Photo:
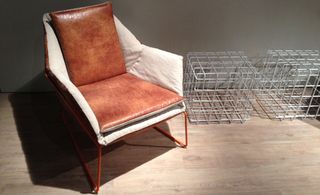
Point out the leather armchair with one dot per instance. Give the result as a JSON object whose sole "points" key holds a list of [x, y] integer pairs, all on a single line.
{"points": [[107, 80]]}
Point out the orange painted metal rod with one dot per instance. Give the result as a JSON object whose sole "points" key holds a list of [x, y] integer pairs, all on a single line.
{"points": [[165, 133], [95, 186], [99, 170]]}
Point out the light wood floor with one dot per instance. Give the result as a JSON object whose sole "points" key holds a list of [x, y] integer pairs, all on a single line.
{"points": [[258, 157]]}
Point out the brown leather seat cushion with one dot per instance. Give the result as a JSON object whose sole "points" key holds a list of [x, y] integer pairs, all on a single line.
{"points": [[89, 42], [125, 97]]}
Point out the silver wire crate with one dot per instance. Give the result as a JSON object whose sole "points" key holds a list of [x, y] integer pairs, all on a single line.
{"points": [[217, 87], [289, 84]]}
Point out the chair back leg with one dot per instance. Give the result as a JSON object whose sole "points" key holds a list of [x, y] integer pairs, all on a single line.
{"points": [[168, 135], [95, 185]]}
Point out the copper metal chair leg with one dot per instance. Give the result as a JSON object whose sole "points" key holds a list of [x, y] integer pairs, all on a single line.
{"points": [[165, 133], [95, 186], [98, 170]]}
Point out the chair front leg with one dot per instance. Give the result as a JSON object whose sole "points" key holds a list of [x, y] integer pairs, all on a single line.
{"points": [[165, 133], [95, 186], [96, 190]]}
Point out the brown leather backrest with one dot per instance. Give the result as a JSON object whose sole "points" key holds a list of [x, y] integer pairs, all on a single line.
{"points": [[89, 43]]}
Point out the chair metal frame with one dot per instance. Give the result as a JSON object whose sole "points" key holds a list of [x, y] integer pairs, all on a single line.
{"points": [[95, 185]]}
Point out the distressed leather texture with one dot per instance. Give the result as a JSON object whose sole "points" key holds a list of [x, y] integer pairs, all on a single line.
{"points": [[125, 97], [90, 43]]}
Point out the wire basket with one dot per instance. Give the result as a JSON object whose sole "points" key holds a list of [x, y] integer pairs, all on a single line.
{"points": [[289, 84], [217, 87]]}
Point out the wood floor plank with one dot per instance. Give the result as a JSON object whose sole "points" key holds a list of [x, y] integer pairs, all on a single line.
{"points": [[259, 157]]}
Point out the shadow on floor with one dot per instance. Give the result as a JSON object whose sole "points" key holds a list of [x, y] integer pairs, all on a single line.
{"points": [[49, 154]]}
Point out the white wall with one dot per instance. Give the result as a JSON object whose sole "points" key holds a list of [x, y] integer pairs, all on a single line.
{"points": [[175, 25]]}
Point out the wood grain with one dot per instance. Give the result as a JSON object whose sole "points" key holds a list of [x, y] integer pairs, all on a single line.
{"points": [[258, 157]]}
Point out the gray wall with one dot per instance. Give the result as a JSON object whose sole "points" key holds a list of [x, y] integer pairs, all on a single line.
{"points": [[175, 25], [21, 43]]}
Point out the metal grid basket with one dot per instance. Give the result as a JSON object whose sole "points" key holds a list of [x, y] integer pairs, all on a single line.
{"points": [[289, 84], [217, 87]]}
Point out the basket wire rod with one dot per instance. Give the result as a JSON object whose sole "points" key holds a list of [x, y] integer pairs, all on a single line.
{"points": [[215, 79], [189, 86], [262, 105], [303, 92], [203, 96], [223, 108], [190, 67], [224, 67], [292, 92], [237, 110], [215, 87], [285, 106], [262, 85], [316, 82], [255, 83], [235, 104], [245, 105], [271, 107], [212, 106], [213, 67], [194, 73], [252, 82], [277, 93], [211, 64], [282, 85], [190, 110], [274, 72], [309, 99], [206, 105], [200, 65], [298, 71], [202, 106], [280, 107], [253, 77], [317, 112], [237, 66], [194, 111], [301, 66], [202, 92]]}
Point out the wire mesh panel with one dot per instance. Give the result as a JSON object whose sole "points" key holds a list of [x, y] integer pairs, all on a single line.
{"points": [[217, 87], [289, 84]]}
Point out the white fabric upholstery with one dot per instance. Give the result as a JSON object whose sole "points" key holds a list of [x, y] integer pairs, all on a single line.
{"points": [[119, 126], [130, 45], [139, 60], [160, 67], [114, 135], [58, 68], [151, 64]]}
